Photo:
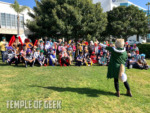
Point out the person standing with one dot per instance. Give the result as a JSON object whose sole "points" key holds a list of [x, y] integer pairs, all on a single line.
{"points": [[3, 44], [117, 64]]}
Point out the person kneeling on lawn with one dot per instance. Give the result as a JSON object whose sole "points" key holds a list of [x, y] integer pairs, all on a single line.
{"points": [[29, 59]]}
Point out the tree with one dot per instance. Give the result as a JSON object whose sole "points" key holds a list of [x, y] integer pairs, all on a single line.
{"points": [[148, 4], [124, 22], [68, 18], [18, 9]]}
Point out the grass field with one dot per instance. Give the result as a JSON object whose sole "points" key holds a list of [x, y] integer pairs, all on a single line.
{"points": [[81, 89]]}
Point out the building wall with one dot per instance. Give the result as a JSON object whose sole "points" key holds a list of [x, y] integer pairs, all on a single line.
{"points": [[105, 3], [10, 16]]}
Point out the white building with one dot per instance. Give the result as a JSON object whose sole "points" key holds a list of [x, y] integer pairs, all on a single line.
{"points": [[8, 21], [108, 5]]}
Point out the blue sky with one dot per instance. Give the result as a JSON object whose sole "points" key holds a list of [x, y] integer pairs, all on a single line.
{"points": [[31, 3]]}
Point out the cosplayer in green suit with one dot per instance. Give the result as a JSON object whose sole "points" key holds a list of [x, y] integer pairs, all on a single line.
{"points": [[118, 58]]}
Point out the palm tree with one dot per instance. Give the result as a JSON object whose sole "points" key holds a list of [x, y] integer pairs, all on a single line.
{"points": [[18, 9], [148, 4]]}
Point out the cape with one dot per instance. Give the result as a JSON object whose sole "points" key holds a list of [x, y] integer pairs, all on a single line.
{"points": [[118, 57]]}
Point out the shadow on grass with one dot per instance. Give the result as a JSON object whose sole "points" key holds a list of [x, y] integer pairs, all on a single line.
{"points": [[4, 64], [13, 65], [88, 91]]}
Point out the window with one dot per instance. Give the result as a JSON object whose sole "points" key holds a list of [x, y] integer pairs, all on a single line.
{"points": [[3, 19], [21, 21], [13, 20], [8, 20]]}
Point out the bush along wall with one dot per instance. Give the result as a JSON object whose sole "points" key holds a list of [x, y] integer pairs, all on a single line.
{"points": [[144, 48]]}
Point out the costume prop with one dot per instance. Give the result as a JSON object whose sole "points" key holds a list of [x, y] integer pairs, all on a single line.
{"points": [[12, 40], [36, 43], [29, 45]]}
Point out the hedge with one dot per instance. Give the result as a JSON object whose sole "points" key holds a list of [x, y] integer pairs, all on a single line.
{"points": [[144, 48]]}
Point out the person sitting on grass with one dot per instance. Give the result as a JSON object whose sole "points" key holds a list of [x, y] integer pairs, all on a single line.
{"points": [[133, 53], [88, 61], [23, 54], [135, 47], [93, 58], [128, 48], [70, 54], [29, 59], [137, 56], [79, 60], [65, 61], [143, 62], [53, 59], [41, 58], [41, 45], [11, 56], [102, 59], [86, 53], [36, 55], [47, 46], [49, 51], [133, 63]]}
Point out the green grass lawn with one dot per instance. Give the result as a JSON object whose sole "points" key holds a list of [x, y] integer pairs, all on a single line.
{"points": [[81, 89]]}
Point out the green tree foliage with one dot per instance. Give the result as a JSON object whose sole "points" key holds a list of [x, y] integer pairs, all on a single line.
{"points": [[127, 21], [67, 18]]}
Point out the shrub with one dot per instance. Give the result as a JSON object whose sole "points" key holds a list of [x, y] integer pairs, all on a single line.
{"points": [[144, 48]]}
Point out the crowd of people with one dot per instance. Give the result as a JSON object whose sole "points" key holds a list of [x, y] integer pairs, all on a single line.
{"points": [[52, 53]]}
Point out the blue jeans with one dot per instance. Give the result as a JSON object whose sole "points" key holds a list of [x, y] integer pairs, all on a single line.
{"points": [[3, 58]]}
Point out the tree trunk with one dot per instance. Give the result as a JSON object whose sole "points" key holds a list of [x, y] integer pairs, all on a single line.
{"points": [[125, 38], [18, 24], [137, 37]]}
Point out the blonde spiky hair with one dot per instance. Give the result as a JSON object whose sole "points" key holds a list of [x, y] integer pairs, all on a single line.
{"points": [[119, 43]]}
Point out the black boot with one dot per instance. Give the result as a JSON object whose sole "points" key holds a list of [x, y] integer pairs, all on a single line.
{"points": [[118, 94], [129, 93]]}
